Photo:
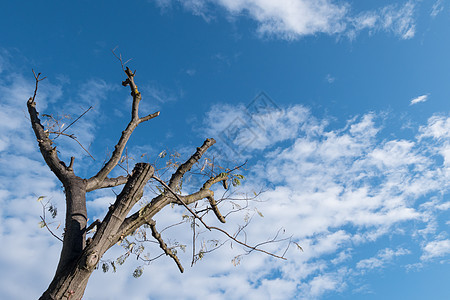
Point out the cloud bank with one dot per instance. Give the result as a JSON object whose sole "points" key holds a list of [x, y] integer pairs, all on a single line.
{"points": [[336, 190], [291, 20], [344, 188]]}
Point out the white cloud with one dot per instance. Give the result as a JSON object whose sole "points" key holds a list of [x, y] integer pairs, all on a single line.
{"points": [[437, 8], [438, 127], [323, 283], [419, 99], [383, 257], [329, 78], [435, 249], [258, 126], [391, 18], [333, 189], [325, 180], [161, 94], [26, 244], [291, 20], [399, 20]]}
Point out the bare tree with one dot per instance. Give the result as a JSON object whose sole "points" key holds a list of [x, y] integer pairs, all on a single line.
{"points": [[81, 255]]}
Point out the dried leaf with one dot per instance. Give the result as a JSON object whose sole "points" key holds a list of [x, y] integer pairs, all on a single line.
{"points": [[53, 211], [236, 260], [259, 213], [298, 246], [121, 259], [138, 272], [105, 267]]}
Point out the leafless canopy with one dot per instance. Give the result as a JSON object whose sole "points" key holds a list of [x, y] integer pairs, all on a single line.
{"points": [[81, 255]]}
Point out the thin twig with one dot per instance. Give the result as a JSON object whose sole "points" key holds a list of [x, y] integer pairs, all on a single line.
{"points": [[244, 244], [193, 242], [74, 138], [181, 201], [49, 230], [44, 206], [163, 245], [212, 227], [119, 57], [90, 107], [36, 77]]}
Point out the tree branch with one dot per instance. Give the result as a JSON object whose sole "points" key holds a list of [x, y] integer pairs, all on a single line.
{"points": [[110, 182], [149, 117], [96, 180], [205, 192], [95, 223], [49, 230], [72, 137], [253, 248], [163, 245], [143, 216], [182, 169], [45, 144], [130, 195]]}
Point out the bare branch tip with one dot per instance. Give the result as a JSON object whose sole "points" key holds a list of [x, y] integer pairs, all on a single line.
{"points": [[70, 167]]}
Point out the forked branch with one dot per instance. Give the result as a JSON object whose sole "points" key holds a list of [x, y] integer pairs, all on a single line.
{"points": [[95, 182], [141, 217], [253, 248], [45, 144], [130, 195], [182, 169], [163, 245]]}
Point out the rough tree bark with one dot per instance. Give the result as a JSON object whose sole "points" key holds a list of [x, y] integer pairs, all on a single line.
{"points": [[80, 257]]}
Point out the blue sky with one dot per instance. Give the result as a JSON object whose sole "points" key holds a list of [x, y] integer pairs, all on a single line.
{"points": [[353, 151]]}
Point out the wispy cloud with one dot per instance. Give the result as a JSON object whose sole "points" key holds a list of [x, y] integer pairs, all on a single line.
{"points": [[191, 72], [329, 78], [27, 178], [334, 189], [162, 94], [437, 8], [294, 19], [291, 19], [435, 249], [3, 60], [332, 179], [396, 19], [419, 99], [383, 257]]}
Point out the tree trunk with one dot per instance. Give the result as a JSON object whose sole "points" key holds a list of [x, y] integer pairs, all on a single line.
{"points": [[79, 260], [66, 277], [71, 281]]}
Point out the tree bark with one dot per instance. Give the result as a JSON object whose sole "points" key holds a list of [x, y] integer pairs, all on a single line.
{"points": [[79, 260], [74, 240]]}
